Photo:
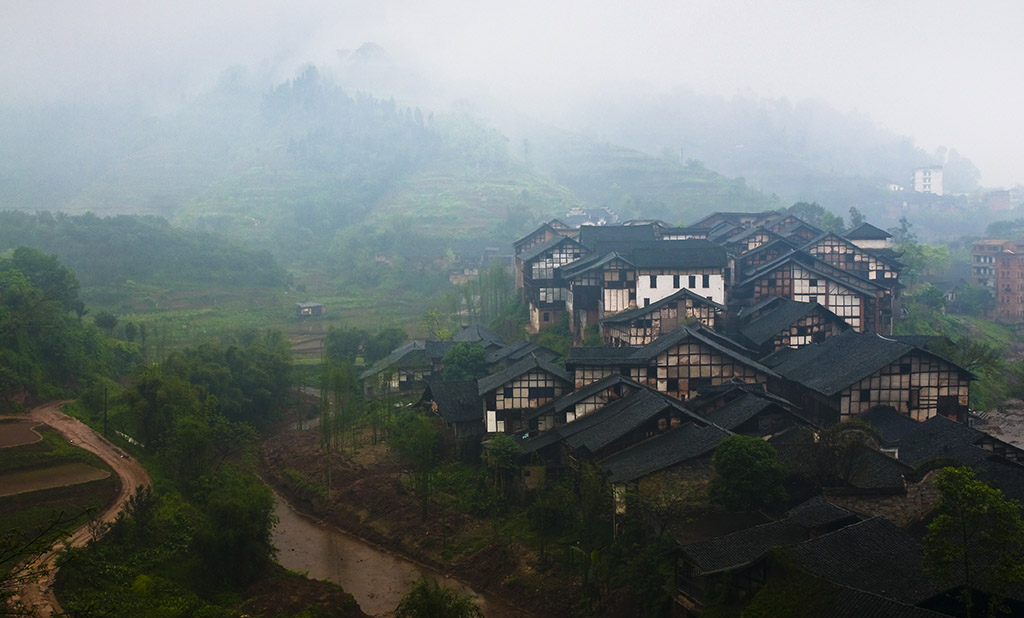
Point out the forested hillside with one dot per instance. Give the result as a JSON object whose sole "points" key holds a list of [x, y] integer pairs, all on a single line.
{"points": [[296, 162]]}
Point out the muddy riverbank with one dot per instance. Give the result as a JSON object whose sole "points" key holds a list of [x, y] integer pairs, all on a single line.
{"points": [[378, 579]]}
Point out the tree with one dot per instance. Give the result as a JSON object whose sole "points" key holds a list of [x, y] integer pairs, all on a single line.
{"points": [[856, 217], [344, 344], [418, 443], [501, 451], [818, 216], [748, 474], [380, 345], [105, 320], [428, 599], [464, 361], [667, 501], [834, 456], [977, 535]]}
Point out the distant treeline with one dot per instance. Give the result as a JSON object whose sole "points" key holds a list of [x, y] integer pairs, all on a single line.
{"points": [[112, 250]]}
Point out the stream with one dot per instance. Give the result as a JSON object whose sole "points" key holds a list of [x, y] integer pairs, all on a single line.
{"points": [[378, 580]]}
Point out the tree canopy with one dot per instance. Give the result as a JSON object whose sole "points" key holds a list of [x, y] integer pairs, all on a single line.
{"points": [[748, 474]]}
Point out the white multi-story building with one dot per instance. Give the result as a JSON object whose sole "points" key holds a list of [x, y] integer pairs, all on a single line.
{"points": [[928, 180]]}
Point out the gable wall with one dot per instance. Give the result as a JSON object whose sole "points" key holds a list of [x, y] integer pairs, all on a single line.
{"points": [[846, 255], [913, 385], [681, 369], [812, 328], [664, 284], [644, 330]]}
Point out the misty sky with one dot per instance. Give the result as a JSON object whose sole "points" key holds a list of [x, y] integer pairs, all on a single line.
{"points": [[943, 72]]}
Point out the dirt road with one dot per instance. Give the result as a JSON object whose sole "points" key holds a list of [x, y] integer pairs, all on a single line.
{"points": [[37, 595]]}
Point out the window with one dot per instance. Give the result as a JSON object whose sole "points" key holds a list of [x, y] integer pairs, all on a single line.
{"points": [[672, 384], [904, 368], [675, 281], [542, 392], [652, 372], [622, 275], [507, 392], [546, 317], [812, 282], [693, 281], [865, 394], [654, 282], [647, 301], [707, 281]]}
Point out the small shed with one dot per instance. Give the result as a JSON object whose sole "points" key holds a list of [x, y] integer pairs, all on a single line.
{"points": [[309, 310]]}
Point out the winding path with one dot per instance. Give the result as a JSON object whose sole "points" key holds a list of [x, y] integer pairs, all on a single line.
{"points": [[37, 595]]}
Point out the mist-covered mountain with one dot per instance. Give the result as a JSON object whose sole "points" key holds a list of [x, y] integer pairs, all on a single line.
{"points": [[307, 157]]}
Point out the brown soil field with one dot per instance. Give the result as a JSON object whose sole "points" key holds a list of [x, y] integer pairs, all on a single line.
{"points": [[16, 433], [47, 478]]}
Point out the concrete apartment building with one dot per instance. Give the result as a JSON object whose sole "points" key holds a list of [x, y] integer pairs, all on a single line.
{"points": [[998, 265]]}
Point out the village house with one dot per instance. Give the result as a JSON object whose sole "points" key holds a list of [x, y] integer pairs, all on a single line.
{"points": [[865, 305], [637, 416], [542, 288], [866, 263], [511, 392], [405, 369], [847, 375], [639, 326], [747, 409], [310, 310], [777, 323], [641, 274], [458, 404], [867, 236], [678, 364]]}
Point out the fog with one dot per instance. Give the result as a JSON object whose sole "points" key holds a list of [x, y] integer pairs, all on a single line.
{"points": [[943, 73]]}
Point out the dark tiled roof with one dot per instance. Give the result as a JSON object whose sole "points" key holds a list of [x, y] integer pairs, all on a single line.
{"points": [[745, 312], [817, 512], [876, 470], [493, 381], [663, 451], [537, 250], [866, 231], [891, 425], [552, 226], [413, 354], [739, 549], [632, 314], [456, 401], [586, 264], [626, 356], [850, 603], [602, 427], [940, 438], [679, 254], [836, 363], [780, 317], [875, 556], [889, 255], [591, 235], [571, 399], [476, 332], [715, 341], [602, 355], [739, 411], [519, 350]]}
